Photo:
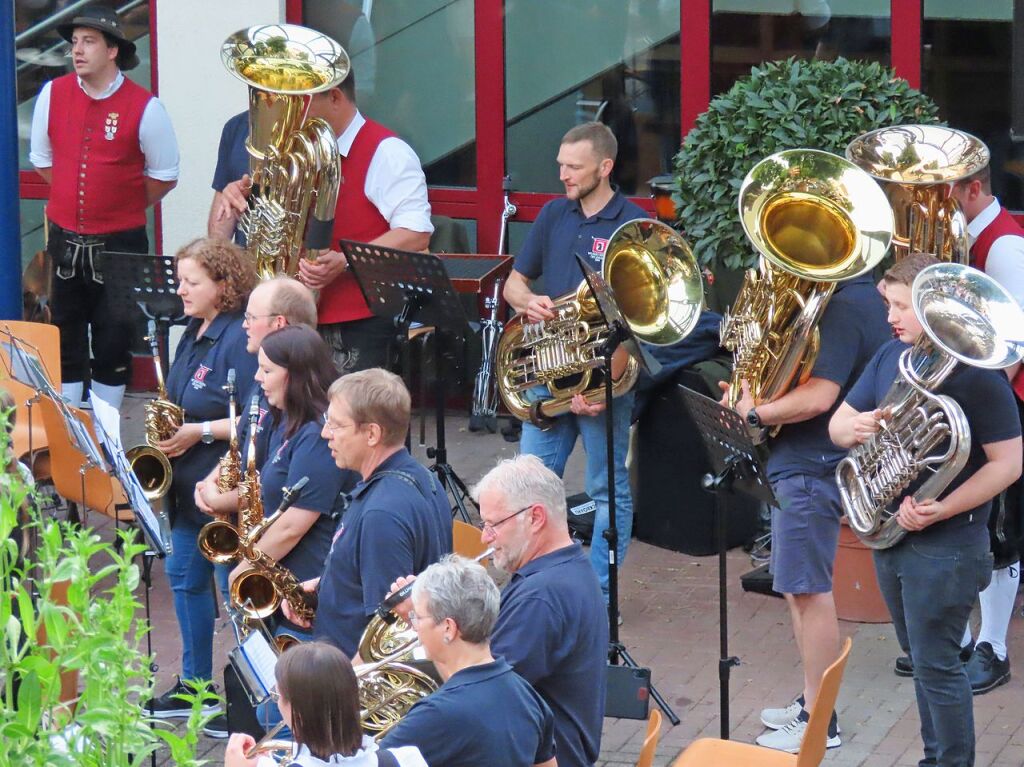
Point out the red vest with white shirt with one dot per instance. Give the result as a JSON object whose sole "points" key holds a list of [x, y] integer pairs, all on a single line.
{"points": [[356, 218], [1003, 224], [98, 185]]}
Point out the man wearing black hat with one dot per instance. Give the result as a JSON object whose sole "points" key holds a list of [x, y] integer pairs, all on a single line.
{"points": [[107, 148]]}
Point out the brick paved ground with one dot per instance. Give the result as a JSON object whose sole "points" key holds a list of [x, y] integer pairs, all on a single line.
{"points": [[670, 609]]}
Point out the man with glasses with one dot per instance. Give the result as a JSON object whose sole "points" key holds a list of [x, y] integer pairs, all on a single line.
{"points": [[552, 626], [398, 519]]}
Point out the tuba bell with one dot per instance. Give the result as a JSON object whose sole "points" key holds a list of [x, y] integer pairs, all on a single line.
{"points": [[659, 291], [967, 317], [917, 166], [816, 219], [294, 162]]}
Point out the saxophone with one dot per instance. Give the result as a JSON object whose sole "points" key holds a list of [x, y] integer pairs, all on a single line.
{"points": [[219, 540], [967, 317], [163, 417], [230, 466]]}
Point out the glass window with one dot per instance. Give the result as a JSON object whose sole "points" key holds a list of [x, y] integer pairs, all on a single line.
{"points": [[745, 33], [966, 63], [414, 67], [43, 55], [568, 62]]}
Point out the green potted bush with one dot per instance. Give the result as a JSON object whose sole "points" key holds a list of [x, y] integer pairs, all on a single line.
{"points": [[780, 105], [86, 620]]}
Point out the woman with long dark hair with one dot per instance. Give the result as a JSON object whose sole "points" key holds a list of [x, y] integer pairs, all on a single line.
{"points": [[318, 695]]}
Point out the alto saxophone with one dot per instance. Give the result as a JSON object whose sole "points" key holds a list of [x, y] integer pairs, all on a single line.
{"points": [[163, 417], [230, 467]]}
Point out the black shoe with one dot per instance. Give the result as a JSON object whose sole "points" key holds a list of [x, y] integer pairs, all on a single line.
{"points": [[170, 706], [217, 727], [985, 670], [904, 666], [966, 652]]}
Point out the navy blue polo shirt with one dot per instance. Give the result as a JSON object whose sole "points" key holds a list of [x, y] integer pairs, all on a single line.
{"points": [[232, 157], [264, 425], [517, 724], [988, 402], [553, 629], [561, 232], [306, 454], [398, 522], [852, 328], [196, 381]]}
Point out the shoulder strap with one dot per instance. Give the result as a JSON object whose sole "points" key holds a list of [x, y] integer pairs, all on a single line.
{"points": [[386, 758], [407, 477]]}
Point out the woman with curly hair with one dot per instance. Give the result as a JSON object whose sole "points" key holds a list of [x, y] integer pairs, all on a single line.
{"points": [[214, 281]]}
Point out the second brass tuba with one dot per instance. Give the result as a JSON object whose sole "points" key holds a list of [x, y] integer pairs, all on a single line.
{"points": [[816, 219], [659, 291], [294, 162], [967, 317], [916, 166]]}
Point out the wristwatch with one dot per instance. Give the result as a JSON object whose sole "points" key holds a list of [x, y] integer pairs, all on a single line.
{"points": [[208, 433], [753, 419]]}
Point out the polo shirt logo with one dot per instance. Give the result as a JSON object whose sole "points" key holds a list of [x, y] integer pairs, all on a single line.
{"points": [[599, 247], [280, 451], [259, 421], [199, 377]]}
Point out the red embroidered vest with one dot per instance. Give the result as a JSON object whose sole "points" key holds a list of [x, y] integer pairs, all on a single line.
{"points": [[1003, 224], [98, 185], [356, 218]]}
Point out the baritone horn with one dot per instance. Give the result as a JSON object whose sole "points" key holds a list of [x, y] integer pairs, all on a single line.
{"points": [[294, 163], [816, 220], [658, 289], [917, 166]]}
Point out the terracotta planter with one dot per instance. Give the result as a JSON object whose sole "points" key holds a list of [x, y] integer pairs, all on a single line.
{"points": [[854, 583]]}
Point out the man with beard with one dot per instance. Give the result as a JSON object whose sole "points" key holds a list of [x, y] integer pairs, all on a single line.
{"points": [[580, 224]]}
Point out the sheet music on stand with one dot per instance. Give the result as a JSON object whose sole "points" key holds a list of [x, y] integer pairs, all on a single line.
{"points": [[155, 525], [255, 658]]}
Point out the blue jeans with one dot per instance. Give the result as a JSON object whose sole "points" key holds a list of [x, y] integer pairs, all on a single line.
{"points": [[190, 573], [554, 447], [930, 591]]}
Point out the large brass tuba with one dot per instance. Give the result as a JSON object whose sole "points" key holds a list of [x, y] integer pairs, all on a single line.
{"points": [[163, 417], [967, 317], [659, 291], [816, 219], [294, 162], [917, 166]]}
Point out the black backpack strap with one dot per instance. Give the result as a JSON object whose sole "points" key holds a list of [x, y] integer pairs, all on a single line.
{"points": [[386, 759]]}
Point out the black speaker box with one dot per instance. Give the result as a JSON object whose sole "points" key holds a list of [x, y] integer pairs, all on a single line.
{"points": [[673, 511]]}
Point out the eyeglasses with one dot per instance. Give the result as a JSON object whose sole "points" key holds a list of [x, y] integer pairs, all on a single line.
{"points": [[332, 426], [250, 317], [414, 619], [491, 528], [275, 696]]}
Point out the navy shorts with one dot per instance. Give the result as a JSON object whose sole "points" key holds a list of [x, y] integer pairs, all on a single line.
{"points": [[805, 533]]}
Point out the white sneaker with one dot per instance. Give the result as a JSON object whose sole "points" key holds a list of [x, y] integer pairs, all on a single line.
{"points": [[790, 737], [777, 718]]}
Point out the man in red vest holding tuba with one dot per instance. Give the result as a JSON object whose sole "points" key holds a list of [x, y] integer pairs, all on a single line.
{"points": [[107, 148], [382, 200]]}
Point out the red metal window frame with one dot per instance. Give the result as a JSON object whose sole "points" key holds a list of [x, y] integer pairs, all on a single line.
{"points": [[483, 203]]}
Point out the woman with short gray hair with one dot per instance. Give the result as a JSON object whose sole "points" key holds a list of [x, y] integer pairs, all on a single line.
{"points": [[484, 713]]}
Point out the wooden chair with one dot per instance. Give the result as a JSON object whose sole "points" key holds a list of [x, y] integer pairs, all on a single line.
{"points": [[729, 753], [650, 740], [466, 540], [46, 339]]}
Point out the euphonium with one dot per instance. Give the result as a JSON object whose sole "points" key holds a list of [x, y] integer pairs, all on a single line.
{"points": [[816, 219], [917, 166], [219, 540], [163, 417], [295, 165], [229, 472], [966, 317], [658, 289]]}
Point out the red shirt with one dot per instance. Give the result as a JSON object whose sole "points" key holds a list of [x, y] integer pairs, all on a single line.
{"points": [[98, 183], [356, 218]]}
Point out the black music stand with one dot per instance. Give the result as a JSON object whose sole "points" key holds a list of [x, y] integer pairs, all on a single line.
{"points": [[408, 287], [146, 284], [619, 334], [736, 469]]}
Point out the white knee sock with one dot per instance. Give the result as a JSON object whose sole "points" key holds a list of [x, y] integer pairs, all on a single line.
{"points": [[72, 392], [997, 607], [966, 641], [112, 395]]}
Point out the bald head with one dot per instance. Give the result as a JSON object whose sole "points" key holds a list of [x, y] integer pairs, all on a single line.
{"points": [[275, 303]]}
